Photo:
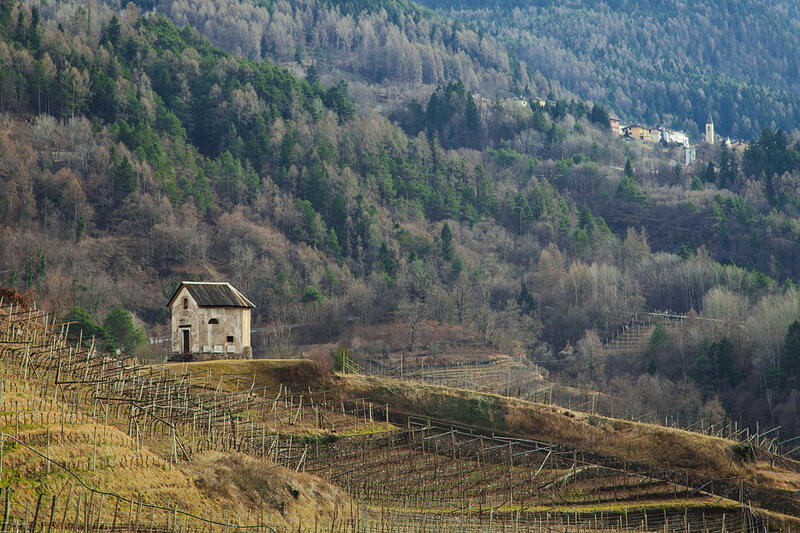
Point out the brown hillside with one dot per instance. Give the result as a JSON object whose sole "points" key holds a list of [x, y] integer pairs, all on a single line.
{"points": [[227, 487], [66, 446], [436, 343], [657, 448]]}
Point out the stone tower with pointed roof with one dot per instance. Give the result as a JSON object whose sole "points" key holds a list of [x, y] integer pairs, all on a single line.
{"points": [[709, 138]]}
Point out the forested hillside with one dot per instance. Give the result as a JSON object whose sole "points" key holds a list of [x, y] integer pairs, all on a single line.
{"points": [[398, 46], [134, 154], [659, 62]]}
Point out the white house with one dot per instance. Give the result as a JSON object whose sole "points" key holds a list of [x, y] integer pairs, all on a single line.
{"points": [[674, 137]]}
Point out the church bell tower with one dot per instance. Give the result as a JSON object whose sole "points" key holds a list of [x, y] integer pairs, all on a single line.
{"points": [[709, 129]]}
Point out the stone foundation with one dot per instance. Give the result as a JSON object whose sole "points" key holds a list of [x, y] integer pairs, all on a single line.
{"points": [[247, 353]]}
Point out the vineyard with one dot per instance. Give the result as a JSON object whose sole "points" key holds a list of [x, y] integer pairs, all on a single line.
{"points": [[632, 338], [92, 442], [499, 375], [450, 473]]}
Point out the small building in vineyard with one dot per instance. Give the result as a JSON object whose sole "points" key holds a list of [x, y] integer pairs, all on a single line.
{"points": [[210, 320]]}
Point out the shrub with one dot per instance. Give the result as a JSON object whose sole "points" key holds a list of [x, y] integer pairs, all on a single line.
{"points": [[122, 332], [85, 326], [311, 295], [340, 356]]}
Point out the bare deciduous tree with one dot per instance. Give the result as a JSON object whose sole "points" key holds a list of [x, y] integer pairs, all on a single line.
{"points": [[278, 341], [417, 282]]}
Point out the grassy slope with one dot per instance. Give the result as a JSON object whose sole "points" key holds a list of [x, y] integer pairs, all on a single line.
{"points": [[268, 377], [664, 448], [255, 373], [668, 448], [228, 487]]}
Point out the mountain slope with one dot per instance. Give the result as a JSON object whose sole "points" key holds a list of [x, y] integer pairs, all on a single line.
{"points": [[135, 154], [658, 62], [398, 46]]}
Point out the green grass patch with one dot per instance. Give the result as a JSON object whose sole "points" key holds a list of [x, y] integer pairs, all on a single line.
{"points": [[611, 507]]}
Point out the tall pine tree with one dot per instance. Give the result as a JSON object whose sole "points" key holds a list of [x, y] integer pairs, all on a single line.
{"points": [[790, 356], [446, 245]]}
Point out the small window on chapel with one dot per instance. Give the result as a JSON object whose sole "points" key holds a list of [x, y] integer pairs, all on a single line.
{"points": [[186, 303], [230, 338], [213, 321]]}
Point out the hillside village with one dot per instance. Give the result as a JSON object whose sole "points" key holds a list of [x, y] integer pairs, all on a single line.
{"points": [[651, 135], [669, 137]]}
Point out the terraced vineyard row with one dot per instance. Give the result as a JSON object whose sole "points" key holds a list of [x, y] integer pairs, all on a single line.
{"points": [[70, 414], [447, 472], [527, 521], [500, 375], [91, 442]]}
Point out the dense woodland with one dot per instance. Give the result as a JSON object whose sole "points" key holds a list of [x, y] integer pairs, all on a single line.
{"points": [[397, 46], [134, 154], [658, 62]]}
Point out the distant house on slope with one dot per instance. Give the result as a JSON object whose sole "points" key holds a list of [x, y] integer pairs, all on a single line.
{"points": [[210, 320], [738, 145], [674, 137], [634, 131], [652, 135], [615, 124], [643, 133]]}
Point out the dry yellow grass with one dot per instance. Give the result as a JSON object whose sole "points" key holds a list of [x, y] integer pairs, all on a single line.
{"points": [[224, 487], [663, 448], [237, 375], [667, 448]]}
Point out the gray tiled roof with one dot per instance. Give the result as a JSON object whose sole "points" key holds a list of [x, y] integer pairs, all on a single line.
{"points": [[213, 294]]}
